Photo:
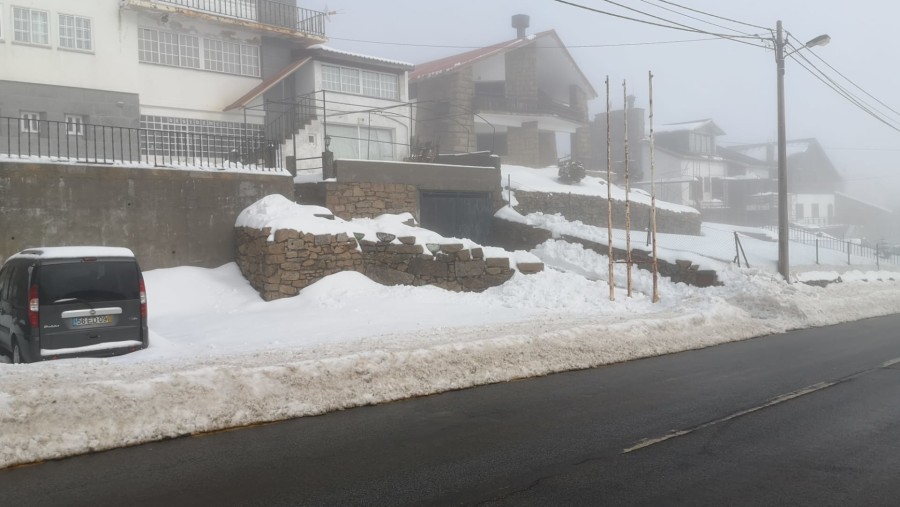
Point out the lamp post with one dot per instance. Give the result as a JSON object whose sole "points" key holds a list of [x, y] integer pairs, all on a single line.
{"points": [[784, 265]]}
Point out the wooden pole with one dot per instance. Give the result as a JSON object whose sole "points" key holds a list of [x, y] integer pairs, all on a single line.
{"points": [[653, 198], [609, 207], [627, 192]]}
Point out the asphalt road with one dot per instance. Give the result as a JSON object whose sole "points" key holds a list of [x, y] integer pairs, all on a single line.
{"points": [[809, 417]]}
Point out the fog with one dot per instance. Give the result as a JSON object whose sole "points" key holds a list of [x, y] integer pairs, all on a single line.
{"points": [[730, 82]]}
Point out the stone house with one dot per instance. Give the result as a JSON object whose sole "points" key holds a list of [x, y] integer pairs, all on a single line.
{"points": [[517, 99]]}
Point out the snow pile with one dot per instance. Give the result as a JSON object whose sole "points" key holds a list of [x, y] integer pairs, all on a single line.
{"points": [[221, 357]]}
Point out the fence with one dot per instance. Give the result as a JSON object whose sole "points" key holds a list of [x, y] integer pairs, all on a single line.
{"points": [[878, 253], [101, 144], [269, 12]]}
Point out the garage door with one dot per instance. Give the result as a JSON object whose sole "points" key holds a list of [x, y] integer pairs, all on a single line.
{"points": [[458, 214]]}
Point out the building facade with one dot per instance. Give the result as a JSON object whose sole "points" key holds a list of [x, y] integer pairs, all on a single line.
{"points": [[518, 99]]}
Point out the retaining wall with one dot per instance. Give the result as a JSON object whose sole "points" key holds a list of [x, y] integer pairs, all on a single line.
{"points": [[294, 260], [167, 217], [592, 210]]}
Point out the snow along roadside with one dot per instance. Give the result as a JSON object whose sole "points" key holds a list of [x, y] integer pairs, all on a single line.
{"points": [[63, 410]]}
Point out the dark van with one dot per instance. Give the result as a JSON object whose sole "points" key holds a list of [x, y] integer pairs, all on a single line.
{"points": [[61, 302]]}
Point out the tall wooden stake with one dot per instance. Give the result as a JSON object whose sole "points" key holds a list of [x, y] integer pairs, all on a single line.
{"points": [[653, 198], [609, 206], [627, 193]]}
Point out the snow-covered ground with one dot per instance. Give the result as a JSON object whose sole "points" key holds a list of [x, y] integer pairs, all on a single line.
{"points": [[221, 357]]}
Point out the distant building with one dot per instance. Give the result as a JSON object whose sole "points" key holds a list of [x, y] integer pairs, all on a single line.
{"points": [[513, 99]]}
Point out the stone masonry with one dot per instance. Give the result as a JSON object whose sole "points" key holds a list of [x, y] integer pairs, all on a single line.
{"points": [[368, 200], [294, 260], [592, 210]]}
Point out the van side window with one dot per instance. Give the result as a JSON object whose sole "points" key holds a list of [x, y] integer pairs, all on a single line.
{"points": [[4, 281], [14, 293]]}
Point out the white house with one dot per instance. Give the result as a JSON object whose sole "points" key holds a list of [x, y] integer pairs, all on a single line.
{"points": [[209, 71]]}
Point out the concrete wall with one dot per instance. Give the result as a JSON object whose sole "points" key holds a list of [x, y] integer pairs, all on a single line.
{"points": [[440, 177], [167, 217]]}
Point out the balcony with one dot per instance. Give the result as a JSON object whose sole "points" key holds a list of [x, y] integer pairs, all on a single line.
{"points": [[544, 105], [273, 16]]}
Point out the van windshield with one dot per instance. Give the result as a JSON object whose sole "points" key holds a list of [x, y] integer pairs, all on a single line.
{"points": [[88, 281]]}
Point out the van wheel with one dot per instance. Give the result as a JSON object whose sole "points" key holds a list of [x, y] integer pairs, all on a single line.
{"points": [[16, 354]]}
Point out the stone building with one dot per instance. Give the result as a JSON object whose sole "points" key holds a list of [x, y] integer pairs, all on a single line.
{"points": [[517, 99]]}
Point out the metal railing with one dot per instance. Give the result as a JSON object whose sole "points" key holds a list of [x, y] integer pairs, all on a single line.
{"points": [[267, 12], [824, 241], [543, 105], [102, 144]]}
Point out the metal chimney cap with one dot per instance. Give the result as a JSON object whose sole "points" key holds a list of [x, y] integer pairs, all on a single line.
{"points": [[520, 22]]}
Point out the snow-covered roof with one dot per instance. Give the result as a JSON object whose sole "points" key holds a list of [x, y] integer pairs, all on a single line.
{"points": [[707, 125], [75, 252], [359, 56]]}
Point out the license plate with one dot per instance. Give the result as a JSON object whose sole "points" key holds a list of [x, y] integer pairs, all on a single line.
{"points": [[92, 321]]}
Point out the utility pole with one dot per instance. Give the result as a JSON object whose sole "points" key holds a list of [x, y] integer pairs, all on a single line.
{"points": [[784, 264]]}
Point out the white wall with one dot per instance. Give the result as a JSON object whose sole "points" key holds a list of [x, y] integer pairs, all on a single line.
{"points": [[807, 201], [113, 63]]}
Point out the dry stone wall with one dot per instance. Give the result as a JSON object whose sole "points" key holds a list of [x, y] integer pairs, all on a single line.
{"points": [[592, 210], [368, 200], [294, 260]]}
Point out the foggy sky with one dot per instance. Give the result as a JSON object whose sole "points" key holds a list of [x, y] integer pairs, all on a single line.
{"points": [[732, 83]]}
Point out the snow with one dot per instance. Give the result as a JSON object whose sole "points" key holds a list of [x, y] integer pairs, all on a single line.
{"points": [[222, 357], [70, 252]]}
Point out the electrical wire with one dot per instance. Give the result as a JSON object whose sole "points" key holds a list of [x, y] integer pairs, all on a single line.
{"points": [[575, 46], [840, 90], [683, 28], [714, 16], [632, 9], [847, 78], [695, 18]]}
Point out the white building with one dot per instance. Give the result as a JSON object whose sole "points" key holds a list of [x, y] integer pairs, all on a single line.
{"points": [[214, 72]]}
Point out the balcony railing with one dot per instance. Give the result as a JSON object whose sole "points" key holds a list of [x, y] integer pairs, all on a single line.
{"points": [[54, 141], [267, 12], [542, 106]]}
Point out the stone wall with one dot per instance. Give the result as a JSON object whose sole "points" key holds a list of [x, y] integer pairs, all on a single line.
{"points": [[294, 260], [592, 210], [368, 200], [517, 236]]}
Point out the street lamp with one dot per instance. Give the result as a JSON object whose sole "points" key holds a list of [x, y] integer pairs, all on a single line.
{"points": [[784, 265]]}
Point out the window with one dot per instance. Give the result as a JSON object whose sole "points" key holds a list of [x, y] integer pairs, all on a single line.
{"points": [[814, 211], [75, 32], [31, 26], [74, 125], [231, 58], [177, 50], [170, 136], [352, 142], [30, 122], [798, 211], [364, 82]]}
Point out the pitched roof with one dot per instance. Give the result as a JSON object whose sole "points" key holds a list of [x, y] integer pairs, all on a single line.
{"points": [[325, 51], [705, 124], [456, 62], [268, 83]]}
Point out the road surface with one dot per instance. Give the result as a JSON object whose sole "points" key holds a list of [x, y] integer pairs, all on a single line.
{"points": [[810, 417]]}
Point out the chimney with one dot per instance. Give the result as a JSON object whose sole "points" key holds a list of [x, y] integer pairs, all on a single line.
{"points": [[630, 104], [520, 23]]}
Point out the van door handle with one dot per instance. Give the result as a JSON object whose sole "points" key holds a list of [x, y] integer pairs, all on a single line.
{"points": [[94, 336]]}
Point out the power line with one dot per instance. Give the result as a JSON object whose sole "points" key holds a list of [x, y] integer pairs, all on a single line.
{"points": [[848, 79], [575, 46], [683, 28], [715, 16], [632, 9], [840, 90], [648, 2]]}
